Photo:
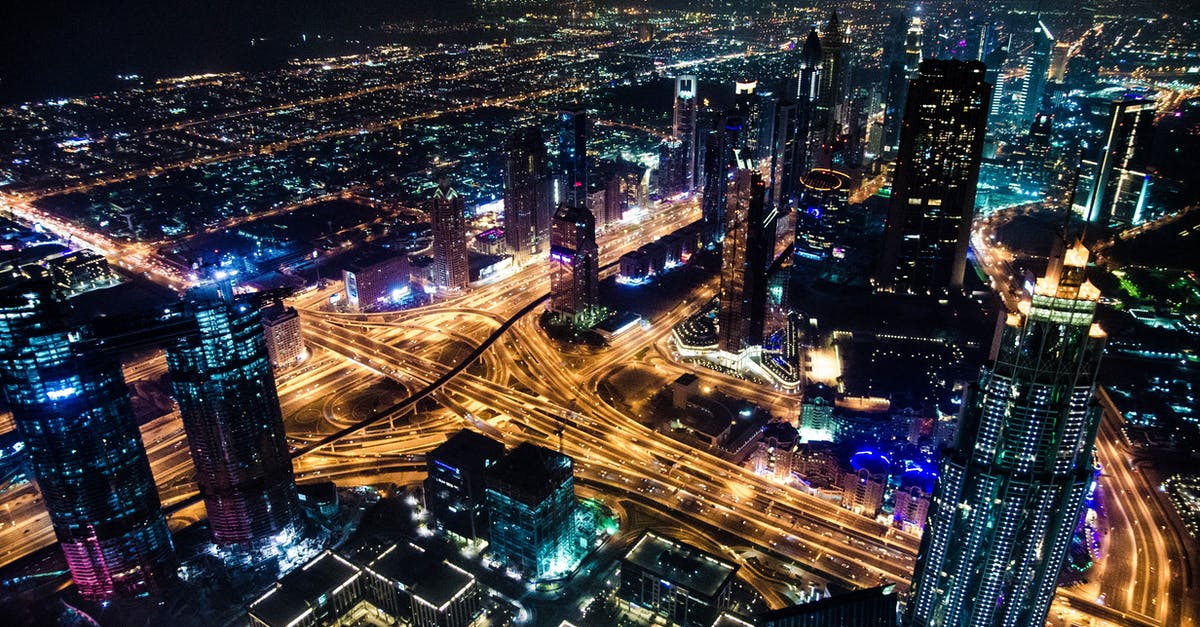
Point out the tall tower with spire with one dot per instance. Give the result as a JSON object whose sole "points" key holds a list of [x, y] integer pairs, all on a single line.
{"points": [[832, 88], [1009, 495]]}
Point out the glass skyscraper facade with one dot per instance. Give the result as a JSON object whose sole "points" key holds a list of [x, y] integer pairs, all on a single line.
{"points": [[226, 394], [531, 512], [744, 258], [937, 169], [1010, 494], [71, 406]]}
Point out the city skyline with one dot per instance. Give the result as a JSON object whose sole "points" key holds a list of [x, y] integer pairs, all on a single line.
{"points": [[590, 315]]}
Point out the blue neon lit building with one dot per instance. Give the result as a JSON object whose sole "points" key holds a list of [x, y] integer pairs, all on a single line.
{"points": [[1009, 496], [226, 393], [71, 406]]}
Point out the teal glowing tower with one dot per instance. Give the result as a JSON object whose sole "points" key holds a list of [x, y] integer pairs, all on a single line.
{"points": [[1009, 495], [222, 380], [71, 407]]}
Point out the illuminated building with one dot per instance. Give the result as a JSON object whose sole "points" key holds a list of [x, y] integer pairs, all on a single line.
{"points": [[724, 142], [527, 192], [900, 72], [743, 298], [807, 90], [674, 582], [831, 92], [1037, 65], [573, 135], [1009, 495], [574, 278], [820, 214], [816, 413], [531, 512], [863, 487], [683, 127], [454, 486], [873, 607], [222, 381], [1116, 184], [376, 277], [406, 583], [71, 406], [321, 592], [448, 217], [285, 342], [937, 169], [911, 508]]}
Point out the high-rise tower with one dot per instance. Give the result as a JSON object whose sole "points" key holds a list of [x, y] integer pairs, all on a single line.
{"points": [[223, 384], [1037, 66], [725, 141], [683, 127], [1010, 493], [575, 276], [827, 118], [527, 192], [900, 73], [743, 299], [448, 216], [937, 168], [1116, 183], [572, 156], [71, 406]]}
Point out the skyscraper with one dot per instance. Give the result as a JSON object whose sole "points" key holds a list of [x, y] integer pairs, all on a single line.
{"points": [[1037, 66], [743, 297], [937, 168], [574, 279], [572, 156], [807, 91], [454, 488], [527, 192], [724, 142], [1009, 495], [1116, 183], [71, 406], [531, 511], [223, 384], [449, 220], [900, 72], [683, 127], [831, 93]]}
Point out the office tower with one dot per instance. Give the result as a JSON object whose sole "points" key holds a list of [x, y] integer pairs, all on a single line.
{"points": [[573, 135], [872, 607], [672, 167], [448, 216], [900, 72], [1037, 65], [724, 143], [1009, 495], [937, 168], [527, 192], [531, 512], [832, 89], [226, 394], [1117, 184], [743, 297], [782, 157], [674, 581], [683, 127], [821, 214], [454, 486], [575, 276], [807, 91], [912, 500], [993, 76], [376, 276], [285, 342], [71, 407], [1029, 157]]}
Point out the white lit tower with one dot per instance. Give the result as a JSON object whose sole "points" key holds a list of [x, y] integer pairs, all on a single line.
{"points": [[1009, 494]]}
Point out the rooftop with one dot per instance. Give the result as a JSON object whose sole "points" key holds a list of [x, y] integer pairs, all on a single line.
{"points": [[467, 449], [299, 591], [681, 564]]}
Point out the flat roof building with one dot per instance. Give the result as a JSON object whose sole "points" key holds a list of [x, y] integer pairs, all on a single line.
{"points": [[454, 486], [873, 607], [675, 581], [314, 594]]}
